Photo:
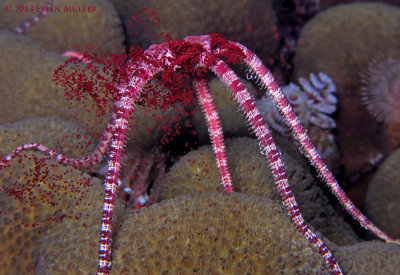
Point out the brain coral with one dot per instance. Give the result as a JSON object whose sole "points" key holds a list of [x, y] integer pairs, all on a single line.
{"points": [[205, 234], [53, 132], [197, 172], [382, 200], [327, 44], [22, 223], [64, 30], [36, 192], [72, 247], [250, 22], [29, 91]]}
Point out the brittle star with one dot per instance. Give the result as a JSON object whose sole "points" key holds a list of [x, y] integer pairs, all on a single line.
{"points": [[194, 56]]}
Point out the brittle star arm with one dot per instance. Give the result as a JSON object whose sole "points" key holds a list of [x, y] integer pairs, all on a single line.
{"points": [[122, 110], [215, 132], [267, 80], [21, 29], [247, 103], [87, 161]]}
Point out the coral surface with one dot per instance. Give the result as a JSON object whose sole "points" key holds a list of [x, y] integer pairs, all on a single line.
{"points": [[250, 22], [205, 234], [72, 247], [372, 257], [29, 91], [69, 28], [382, 200], [196, 172], [324, 4], [37, 192], [53, 132]]}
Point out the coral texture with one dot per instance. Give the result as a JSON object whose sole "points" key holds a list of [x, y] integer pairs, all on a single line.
{"points": [[37, 192], [382, 201], [327, 44], [206, 234], [249, 22], [29, 91], [71, 247], [54, 132], [196, 172], [64, 30], [372, 257]]}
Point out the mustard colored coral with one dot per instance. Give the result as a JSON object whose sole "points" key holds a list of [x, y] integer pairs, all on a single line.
{"points": [[72, 247], [196, 172], [206, 234], [28, 91], [36, 192], [70, 25], [342, 54]]}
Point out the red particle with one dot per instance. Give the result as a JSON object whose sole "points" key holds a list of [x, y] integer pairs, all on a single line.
{"points": [[271, 61]]}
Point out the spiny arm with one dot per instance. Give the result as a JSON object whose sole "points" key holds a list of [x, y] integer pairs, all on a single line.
{"points": [[215, 131], [267, 80], [248, 105]]}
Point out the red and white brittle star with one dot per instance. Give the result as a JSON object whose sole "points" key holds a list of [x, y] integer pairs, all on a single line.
{"points": [[194, 56]]}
